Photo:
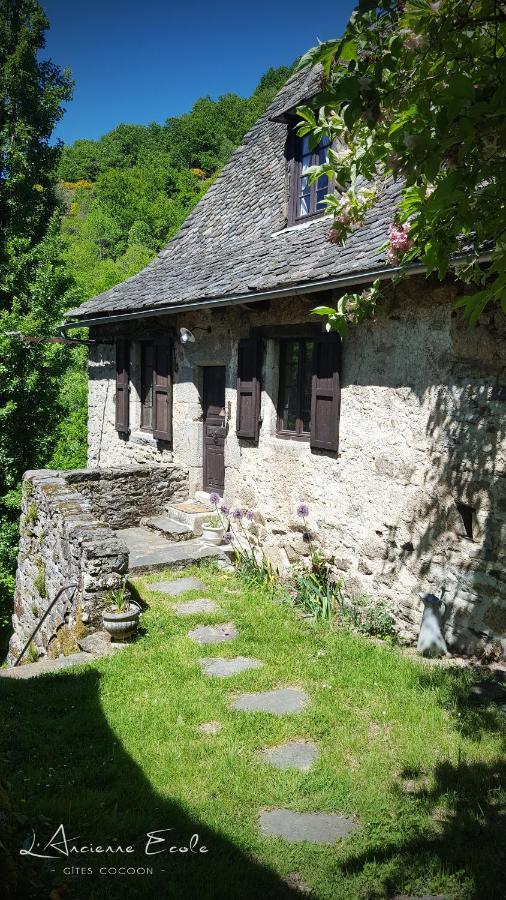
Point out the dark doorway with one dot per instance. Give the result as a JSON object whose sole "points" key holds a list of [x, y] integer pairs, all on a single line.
{"points": [[214, 428]]}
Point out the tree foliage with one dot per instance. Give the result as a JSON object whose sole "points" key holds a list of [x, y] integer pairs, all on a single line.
{"points": [[128, 193], [34, 285], [415, 90]]}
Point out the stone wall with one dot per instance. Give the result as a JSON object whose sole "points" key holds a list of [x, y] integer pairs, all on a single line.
{"points": [[67, 536], [121, 497], [422, 450]]}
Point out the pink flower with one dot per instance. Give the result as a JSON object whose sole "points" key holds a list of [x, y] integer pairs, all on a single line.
{"points": [[400, 242]]}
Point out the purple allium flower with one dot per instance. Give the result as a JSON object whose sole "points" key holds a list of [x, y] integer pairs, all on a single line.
{"points": [[227, 538], [214, 498], [237, 514], [250, 515], [225, 509], [306, 537], [303, 510]]}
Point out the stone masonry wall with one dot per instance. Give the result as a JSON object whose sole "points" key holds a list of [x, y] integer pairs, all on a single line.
{"points": [[121, 497], [67, 535], [422, 450]]}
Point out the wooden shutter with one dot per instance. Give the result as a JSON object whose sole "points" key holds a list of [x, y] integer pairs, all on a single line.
{"points": [[162, 390], [122, 386], [326, 393], [249, 388]]}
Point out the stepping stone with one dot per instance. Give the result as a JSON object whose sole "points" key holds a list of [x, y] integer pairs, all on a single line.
{"points": [[292, 755], [210, 728], [214, 634], [278, 702], [191, 607], [179, 586], [216, 665], [314, 828]]}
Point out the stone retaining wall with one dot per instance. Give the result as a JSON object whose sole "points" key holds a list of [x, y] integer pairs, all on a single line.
{"points": [[121, 497], [67, 536]]}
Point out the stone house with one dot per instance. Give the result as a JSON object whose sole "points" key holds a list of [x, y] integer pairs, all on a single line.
{"points": [[209, 364]]}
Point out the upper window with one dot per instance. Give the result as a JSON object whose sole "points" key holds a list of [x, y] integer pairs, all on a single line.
{"points": [[147, 366], [295, 375], [307, 200]]}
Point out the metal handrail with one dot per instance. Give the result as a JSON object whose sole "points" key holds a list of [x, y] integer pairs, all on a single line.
{"points": [[65, 587]]}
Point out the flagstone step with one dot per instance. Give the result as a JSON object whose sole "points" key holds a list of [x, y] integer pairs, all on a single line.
{"points": [[178, 586], [293, 755], [221, 668], [45, 666], [194, 607], [312, 828], [279, 702], [170, 528], [150, 550], [214, 634]]}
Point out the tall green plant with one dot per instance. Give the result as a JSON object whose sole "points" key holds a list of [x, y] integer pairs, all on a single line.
{"points": [[34, 286]]}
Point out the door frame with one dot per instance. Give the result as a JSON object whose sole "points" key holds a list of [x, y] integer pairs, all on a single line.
{"points": [[204, 396]]}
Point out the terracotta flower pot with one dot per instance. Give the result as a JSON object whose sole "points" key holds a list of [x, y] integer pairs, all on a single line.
{"points": [[122, 624]]}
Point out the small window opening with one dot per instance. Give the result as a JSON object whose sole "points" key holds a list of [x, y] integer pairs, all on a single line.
{"points": [[466, 514]]}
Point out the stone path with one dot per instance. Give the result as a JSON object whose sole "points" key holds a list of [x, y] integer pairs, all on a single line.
{"points": [[314, 828], [192, 607], [178, 586], [214, 634], [292, 755], [311, 827], [279, 702], [217, 666]]}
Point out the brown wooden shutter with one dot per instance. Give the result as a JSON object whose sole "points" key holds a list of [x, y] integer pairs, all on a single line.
{"points": [[326, 393], [162, 390], [122, 386], [249, 388]]}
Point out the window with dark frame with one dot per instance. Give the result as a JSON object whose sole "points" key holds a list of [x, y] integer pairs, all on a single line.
{"points": [[307, 200], [295, 380], [147, 368]]}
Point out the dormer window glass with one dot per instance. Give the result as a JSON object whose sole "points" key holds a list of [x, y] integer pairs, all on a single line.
{"points": [[307, 199]]}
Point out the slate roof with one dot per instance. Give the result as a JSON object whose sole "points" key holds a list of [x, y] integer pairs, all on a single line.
{"points": [[236, 240]]}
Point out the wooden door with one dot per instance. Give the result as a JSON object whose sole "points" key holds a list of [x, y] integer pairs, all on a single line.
{"points": [[214, 429]]}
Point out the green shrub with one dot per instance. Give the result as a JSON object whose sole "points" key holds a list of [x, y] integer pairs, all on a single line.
{"points": [[314, 588], [372, 616]]}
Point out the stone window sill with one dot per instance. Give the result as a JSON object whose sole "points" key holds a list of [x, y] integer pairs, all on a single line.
{"points": [[143, 437]]}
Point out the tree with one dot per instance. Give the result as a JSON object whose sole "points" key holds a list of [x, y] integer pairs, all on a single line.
{"points": [[414, 90], [34, 286]]}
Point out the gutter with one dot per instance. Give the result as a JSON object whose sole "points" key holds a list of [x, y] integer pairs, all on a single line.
{"points": [[302, 288], [310, 287]]}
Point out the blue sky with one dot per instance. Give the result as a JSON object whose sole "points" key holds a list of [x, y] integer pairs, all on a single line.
{"points": [[146, 60]]}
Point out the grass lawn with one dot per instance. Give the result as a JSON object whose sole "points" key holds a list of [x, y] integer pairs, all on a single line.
{"points": [[112, 750]]}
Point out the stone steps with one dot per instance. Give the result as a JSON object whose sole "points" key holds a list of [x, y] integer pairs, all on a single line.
{"points": [[171, 529], [191, 513]]}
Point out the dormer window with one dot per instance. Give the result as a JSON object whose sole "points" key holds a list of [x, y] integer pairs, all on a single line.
{"points": [[307, 200]]}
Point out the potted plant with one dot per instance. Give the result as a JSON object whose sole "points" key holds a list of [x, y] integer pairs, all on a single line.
{"points": [[213, 530], [121, 617]]}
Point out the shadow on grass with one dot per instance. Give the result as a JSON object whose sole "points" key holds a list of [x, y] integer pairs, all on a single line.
{"points": [[466, 801], [66, 767]]}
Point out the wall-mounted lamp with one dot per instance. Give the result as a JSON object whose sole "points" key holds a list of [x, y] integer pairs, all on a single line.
{"points": [[187, 337]]}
